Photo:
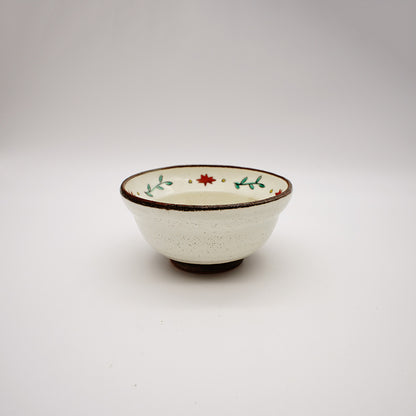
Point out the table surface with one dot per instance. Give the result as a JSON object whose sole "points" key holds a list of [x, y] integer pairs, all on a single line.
{"points": [[321, 317]]}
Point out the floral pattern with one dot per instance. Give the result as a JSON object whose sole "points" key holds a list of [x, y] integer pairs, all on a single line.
{"points": [[158, 186], [205, 179], [251, 185]]}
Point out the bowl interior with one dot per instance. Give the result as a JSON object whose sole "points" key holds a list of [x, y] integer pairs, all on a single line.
{"points": [[205, 185]]}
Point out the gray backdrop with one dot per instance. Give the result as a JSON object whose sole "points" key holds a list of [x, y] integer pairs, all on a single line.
{"points": [[321, 320]]}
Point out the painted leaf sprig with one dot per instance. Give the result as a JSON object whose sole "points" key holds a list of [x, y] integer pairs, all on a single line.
{"points": [[157, 186], [251, 185]]}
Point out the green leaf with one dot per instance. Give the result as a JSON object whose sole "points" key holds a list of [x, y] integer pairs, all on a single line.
{"points": [[261, 185], [251, 186], [244, 180], [160, 178], [169, 183], [258, 179], [237, 185], [159, 187], [149, 188], [149, 194]]}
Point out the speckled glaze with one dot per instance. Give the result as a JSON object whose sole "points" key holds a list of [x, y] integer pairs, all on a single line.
{"points": [[197, 227]]}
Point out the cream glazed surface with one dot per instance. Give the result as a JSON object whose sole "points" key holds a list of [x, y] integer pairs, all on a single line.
{"points": [[206, 214]]}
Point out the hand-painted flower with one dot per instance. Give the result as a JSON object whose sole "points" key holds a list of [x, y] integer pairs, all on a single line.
{"points": [[206, 179]]}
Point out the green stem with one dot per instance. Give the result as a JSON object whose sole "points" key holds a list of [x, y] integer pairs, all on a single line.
{"points": [[250, 184], [158, 186]]}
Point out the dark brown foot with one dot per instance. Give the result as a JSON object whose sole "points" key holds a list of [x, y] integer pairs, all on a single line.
{"points": [[206, 268]]}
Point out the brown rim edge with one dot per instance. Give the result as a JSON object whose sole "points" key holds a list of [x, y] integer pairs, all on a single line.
{"points": [[183, 207]]}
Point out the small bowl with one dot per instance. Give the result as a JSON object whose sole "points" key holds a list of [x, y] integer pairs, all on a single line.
{"points": [[206, 218]]}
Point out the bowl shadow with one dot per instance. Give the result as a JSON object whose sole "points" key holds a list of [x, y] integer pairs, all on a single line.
{"points": [[147, 278], [244, 271]]}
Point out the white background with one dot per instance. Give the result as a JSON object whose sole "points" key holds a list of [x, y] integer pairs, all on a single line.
{"points": [[321, 320]]}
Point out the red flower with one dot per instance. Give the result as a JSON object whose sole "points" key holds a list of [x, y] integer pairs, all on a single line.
{"points": [[205, 179], [278, 193]]}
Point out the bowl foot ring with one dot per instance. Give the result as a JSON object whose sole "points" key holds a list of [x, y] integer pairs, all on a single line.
{"points": [[206, 268]]}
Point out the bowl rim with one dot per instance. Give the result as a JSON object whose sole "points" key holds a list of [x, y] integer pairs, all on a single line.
{"points": [[185, 207]]}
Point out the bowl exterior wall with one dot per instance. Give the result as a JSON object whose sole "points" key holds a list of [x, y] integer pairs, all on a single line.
{"points": [[207, 236]]}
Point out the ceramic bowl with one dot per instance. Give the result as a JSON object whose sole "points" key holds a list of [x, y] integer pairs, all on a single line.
{"points": [[206, 218]]}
